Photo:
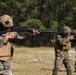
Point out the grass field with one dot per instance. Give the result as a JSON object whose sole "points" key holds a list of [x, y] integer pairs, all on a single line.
{"points": [[36, 61]]}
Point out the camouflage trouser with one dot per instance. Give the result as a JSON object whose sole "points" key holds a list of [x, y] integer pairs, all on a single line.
{"points": [[5, 68], [58, 61], [75, 67]]}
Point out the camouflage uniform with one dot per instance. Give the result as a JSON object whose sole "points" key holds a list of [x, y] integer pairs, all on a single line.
{"points": [[61, 51], [75, 56], [5, 48], [5, 65], [75, 67]]}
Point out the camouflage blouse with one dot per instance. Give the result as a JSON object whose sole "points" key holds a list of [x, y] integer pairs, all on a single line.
{"points": [[3, 41]]}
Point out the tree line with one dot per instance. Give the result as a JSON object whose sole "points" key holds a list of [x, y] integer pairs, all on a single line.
{"points": [[47, 14]]}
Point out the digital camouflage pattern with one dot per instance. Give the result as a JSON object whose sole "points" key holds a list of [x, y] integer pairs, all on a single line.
{"points": [[5, 57], [5, 47], [5, 68], [5, 50], [62, 46], [75, 58], [2, 41]]}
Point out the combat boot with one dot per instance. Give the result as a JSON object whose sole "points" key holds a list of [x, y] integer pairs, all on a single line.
{"points": [[75, 70], [69, 72]]}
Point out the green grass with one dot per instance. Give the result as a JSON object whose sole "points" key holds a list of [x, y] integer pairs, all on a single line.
{"points": [[34, 61]]}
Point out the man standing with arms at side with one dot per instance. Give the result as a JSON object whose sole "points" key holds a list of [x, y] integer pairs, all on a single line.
{"points": [[62, 46], [6, 23]]}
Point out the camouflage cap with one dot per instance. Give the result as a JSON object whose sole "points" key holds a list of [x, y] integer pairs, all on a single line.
{"points": [[66, 29], [6, 21]]}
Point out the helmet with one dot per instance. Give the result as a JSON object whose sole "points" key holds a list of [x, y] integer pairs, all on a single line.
{"points": [[66, 29], [6, 21]]}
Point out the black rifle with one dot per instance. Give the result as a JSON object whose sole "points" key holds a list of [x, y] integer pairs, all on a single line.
{"points": [[27, 30]]}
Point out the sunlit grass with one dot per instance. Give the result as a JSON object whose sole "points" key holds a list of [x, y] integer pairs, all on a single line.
{"points": [[34, 61]]}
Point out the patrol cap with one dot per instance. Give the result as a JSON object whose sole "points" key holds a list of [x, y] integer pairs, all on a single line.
{"points": [[6, 21], [66, 29]]}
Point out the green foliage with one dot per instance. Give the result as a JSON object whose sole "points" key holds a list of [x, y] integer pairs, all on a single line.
{"points": [[3, 4], [49, 12], [52, 40], [34, 23], [74, 30], [54, 24], [18, 4], [35, 12], [41, 13]]}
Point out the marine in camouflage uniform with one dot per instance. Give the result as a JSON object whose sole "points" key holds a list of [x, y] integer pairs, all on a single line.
{"points": [[6, 49], [61, 51], [5, 46]]}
